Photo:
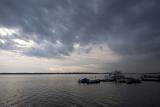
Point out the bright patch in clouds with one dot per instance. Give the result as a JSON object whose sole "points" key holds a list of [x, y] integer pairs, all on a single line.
{"points": [[2, 41], [23, 44], [76, 46], [7, 31]]}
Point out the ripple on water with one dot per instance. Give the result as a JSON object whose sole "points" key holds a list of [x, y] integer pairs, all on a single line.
{"points": [[64, 91]]}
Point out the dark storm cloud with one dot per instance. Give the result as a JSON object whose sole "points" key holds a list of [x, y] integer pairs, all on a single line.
{"points": [[128, 27]]}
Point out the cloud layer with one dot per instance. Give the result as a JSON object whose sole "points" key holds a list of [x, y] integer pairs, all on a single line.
{"points": [[52, 28], [127, 27]]}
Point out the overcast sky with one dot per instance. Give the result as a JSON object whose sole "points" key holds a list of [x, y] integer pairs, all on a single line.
{"points": [[79, 35]]}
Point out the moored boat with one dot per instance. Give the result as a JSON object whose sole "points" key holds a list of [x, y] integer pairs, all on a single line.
{"points": [[150, 78], [133, 80], [88, 81]]}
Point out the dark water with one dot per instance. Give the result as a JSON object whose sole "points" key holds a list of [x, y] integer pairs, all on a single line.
{"points": [[64, 91]]}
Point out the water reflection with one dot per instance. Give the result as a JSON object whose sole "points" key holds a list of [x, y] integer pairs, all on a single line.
{"points": [[63, 90]]}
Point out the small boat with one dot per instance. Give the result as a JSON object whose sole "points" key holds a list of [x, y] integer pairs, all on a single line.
{"points": [[88, 81], [84, 80], [133, 80], [150, 78]]}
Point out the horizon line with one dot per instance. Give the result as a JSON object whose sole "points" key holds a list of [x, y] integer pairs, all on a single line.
{"points": [[75, 73]]}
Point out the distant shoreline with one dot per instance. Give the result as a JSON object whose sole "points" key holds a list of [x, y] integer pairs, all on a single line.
{"points": [[46, 73], [70, 73]]}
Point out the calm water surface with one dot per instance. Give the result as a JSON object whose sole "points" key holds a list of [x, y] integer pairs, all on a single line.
{"points": [[64, 91]]}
